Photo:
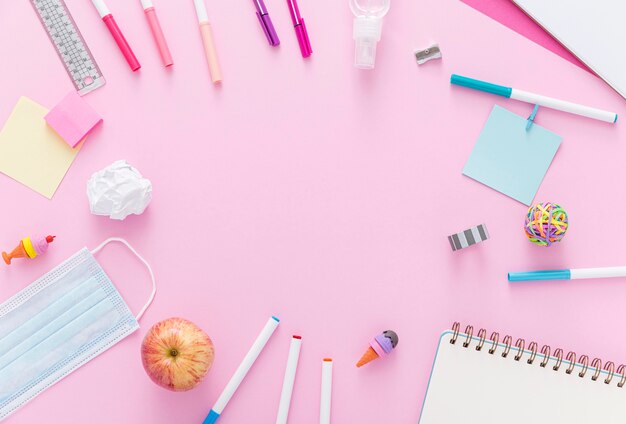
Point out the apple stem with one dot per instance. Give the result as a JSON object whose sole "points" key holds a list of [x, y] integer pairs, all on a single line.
{"points": [[174, 352]]}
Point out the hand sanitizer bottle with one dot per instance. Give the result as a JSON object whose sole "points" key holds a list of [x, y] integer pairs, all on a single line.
{"points": [[368, 26]]}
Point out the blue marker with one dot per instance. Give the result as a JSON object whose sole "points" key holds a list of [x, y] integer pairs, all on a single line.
{"points": [[568, 274], [537, 99], [243, 369]]}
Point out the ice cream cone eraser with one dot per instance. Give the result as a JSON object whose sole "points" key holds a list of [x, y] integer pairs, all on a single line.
{"points": [[29, 247], [381, 345]]}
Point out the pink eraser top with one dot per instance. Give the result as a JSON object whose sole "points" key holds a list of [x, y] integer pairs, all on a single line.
{"points": [[73, 119], [40, 244]]}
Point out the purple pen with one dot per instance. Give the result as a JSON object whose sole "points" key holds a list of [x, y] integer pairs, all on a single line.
{"points": [[300, 27], [266, 23]]}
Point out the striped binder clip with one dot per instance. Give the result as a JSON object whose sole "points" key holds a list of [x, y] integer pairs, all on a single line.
{"points": [[468, 237]]}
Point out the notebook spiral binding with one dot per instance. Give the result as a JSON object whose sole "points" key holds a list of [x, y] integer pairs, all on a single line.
{"points": [[520, 344]]}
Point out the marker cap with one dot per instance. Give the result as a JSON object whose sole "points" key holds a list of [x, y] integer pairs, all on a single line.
{"points": [[268, 29], [303, 39], [488, 87], [211, 54], [159, 38], [211, 418], [121, 42], [561, 274]]}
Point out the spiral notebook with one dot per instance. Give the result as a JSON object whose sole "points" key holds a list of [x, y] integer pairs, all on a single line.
{"points": [[485, 378]]}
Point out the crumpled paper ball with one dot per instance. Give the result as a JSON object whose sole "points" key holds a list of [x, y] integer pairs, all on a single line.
{"points": [[118, 190]]}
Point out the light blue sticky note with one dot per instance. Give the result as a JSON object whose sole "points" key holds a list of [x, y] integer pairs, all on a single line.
{"points": [[510, 159]]}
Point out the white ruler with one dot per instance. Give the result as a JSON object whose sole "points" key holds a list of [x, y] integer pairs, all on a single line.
{"points": [[70, 45]]}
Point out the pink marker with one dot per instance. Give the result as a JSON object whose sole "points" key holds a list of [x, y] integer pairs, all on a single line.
{"points": [[108, 20], [157, 32], [300, 27], [207, 39]]}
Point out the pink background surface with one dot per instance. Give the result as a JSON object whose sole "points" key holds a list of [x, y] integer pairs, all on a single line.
{"points": [[508, 14], [318, 193]]}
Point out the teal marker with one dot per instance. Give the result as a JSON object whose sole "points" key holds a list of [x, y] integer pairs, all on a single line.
{"points": [[569, 274], [536, 99]]}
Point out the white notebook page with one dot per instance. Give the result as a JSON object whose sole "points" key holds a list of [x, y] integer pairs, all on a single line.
{"points": [[470, 386], [593, 30]]}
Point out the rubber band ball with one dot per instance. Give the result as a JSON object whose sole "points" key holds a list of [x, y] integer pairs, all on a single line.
{"points": [[546, 223]]}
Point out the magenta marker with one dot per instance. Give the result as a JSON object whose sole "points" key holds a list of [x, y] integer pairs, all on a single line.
{"points": [[300, 27]]}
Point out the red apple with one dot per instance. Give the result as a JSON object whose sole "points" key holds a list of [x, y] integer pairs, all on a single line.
{"points": [[177, 354]]}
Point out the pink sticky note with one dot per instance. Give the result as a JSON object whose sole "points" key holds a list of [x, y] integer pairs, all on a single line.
{"points": [[73, 119]]}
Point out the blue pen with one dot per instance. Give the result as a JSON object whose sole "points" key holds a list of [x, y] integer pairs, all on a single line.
{"points": [[568, 274], [537, 99]]}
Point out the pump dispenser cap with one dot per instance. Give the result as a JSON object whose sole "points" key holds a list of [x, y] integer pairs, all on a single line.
{"points": [[366, 32]]}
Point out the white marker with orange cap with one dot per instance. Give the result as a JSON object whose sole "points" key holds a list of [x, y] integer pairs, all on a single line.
{"points": [[327, 386]]}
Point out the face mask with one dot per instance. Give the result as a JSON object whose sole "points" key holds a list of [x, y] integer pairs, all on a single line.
{"points": [[58, 323]]}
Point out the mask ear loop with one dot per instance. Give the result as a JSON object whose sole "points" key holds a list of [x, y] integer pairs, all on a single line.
{"points": [[124, 242]]}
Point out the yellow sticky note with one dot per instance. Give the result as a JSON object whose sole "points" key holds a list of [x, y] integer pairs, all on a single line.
{"points": [[31, 152]]}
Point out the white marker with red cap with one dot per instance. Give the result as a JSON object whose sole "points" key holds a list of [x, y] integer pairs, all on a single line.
{"points": [[288, 381]]}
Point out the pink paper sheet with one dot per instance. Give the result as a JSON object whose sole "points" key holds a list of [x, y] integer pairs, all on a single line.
{"points": [[511, 16]]}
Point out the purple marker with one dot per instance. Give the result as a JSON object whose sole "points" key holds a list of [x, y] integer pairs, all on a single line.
{"points": [[266, 23]]}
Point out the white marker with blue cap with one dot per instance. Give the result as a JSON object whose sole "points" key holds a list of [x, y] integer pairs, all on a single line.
{"points": [[243, 369], [537, 99], [568, 274]]}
